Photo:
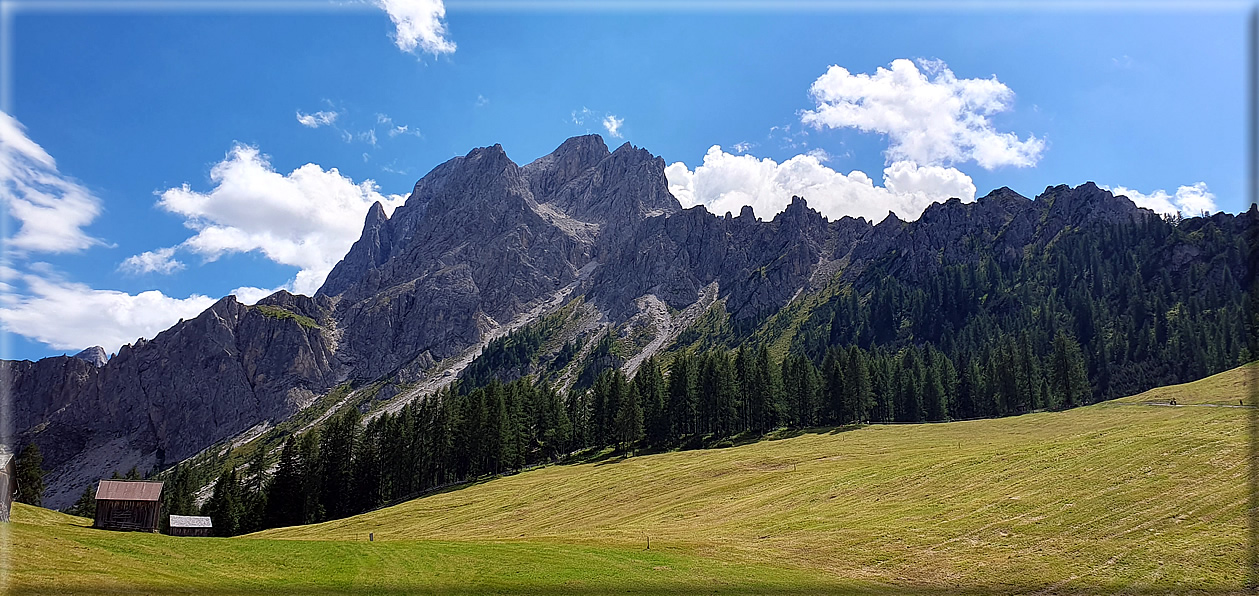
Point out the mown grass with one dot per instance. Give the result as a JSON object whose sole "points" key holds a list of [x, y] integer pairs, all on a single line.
{"points": [[1113, 498], [1100, 498], [1229, 388], [56, 554]]}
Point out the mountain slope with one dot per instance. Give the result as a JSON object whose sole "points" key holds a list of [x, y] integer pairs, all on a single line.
{"points": [[484, 247], [1150, 498]]}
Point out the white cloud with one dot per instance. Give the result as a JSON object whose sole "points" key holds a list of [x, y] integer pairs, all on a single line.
{"points": [[727, 182], [610, 122], [1189, 201], [403, 129], [929, 115], [161, 260], [50, 208], [419, 25], [73, 316], [481, 100], [613, 125], [317, 119], [817, 153], [250, 295], [307, 218], [742, 147]]}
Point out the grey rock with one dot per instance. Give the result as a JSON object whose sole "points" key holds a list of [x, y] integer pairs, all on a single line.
{"points": [[95, 355], [479, 242], [199, 382]]}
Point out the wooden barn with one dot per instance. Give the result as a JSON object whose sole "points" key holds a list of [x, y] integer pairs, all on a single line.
{"points": [[8, 483], [128, 505], [190, 525]]}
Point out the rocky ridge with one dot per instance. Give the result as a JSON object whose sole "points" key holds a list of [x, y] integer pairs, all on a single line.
{"points": [[482, 246]]}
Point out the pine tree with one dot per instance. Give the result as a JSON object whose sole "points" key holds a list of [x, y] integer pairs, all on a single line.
{"points": [[224, 508], [29, 475], [85, 506], [629, 420], [839, 408], [682, 396], [1068, 377], [179, 494], [336, 459], [858, 385], [285, 501], [652, 391]]}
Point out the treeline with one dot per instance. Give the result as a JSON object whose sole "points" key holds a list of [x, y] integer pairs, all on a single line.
{"points": [[1145, 310], [1101, 312], [348, 467]]}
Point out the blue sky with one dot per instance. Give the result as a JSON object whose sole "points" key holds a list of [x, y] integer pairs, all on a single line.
{"points": [[134, 104]]}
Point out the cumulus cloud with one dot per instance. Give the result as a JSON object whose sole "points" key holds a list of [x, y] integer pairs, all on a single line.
{"points": [[51, 209], [317, 119], [928, 114], [307, 218], [161, 260], [1188, 201], [250, 294], [73, 316], [726, 182], [613, 125], [419, 25]]}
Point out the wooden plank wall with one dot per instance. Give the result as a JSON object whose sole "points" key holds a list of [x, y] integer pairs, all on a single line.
{"points": [[141, 516]]}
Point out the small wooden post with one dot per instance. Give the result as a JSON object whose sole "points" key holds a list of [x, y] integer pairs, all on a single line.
{"points": [[649, 543], [371, 537]]}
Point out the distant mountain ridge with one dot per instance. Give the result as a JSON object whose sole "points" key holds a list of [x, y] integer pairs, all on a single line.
{"points": [[483, 246]]}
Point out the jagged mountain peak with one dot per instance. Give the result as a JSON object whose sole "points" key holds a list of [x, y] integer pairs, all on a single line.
{"points": [[483, 245], [1004, 194], [94, 355], [587, 150], [1088, 201]]}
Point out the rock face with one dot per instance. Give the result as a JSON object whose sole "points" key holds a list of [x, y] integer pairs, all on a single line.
{"points": [[94, 355], [480, 242], [165, 399]]}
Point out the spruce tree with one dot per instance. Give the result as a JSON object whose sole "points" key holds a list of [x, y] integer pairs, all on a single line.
{"points": [[285, 501], [682, 396], [29, 474], [224, 508], [629, 420], [85, 506], [652, 392]]}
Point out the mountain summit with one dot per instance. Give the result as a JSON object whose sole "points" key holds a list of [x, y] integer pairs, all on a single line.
{"points": [[584, 247]]}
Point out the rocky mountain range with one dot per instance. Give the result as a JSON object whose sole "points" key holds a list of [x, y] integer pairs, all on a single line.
{"points": [[483, 246]]}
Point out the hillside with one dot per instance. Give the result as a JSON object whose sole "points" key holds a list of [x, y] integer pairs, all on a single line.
{"points": [[1117, 497], [1144, 497], [1103, 499], [50, 553], [584, 263]]}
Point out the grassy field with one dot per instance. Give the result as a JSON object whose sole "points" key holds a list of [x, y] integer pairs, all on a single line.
{"points": [[1121, 497], [51, 553]]}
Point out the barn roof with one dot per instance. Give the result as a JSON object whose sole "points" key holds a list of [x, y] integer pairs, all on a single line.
{"points": [[190, 521], [128, 490]]}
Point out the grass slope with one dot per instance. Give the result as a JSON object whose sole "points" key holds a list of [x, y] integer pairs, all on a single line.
{"points": [[49, 553], [1118, 497]]}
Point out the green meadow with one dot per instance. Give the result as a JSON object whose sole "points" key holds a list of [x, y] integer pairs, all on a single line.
{"points": [[1128, 496]]}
